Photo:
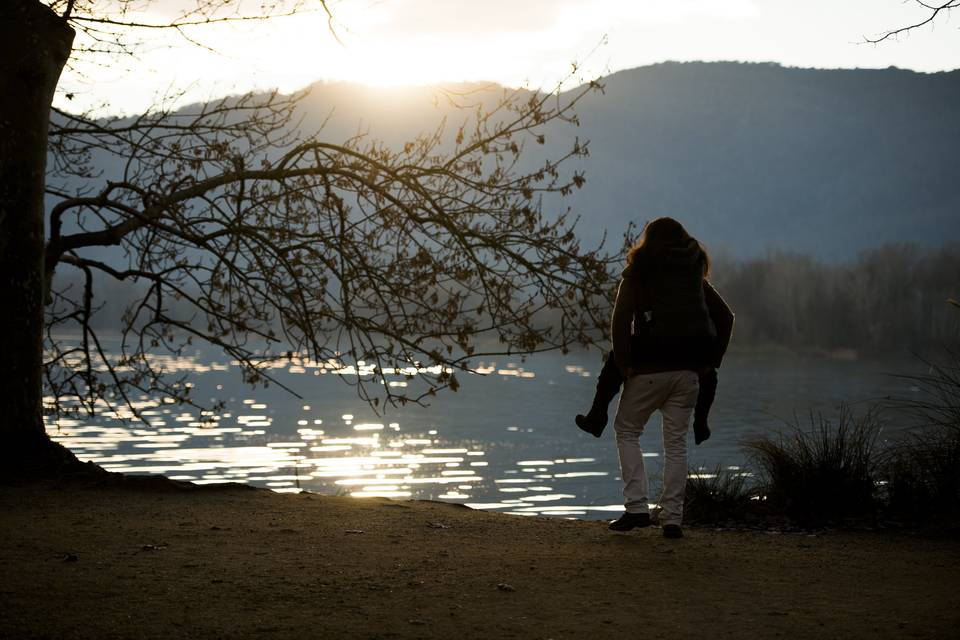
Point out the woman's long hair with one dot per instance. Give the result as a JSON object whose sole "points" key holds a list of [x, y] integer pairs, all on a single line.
{"points": [[659, 235]]}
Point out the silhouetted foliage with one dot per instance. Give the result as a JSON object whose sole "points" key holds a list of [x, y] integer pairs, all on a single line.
{"points": [[921, 475], [929, 12], [889, 300], [270, 242], [822, 473], [921, 469], [718, 495], [851, 468]]}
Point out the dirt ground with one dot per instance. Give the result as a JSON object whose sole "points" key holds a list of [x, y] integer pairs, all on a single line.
{"points": [[124, 560]]}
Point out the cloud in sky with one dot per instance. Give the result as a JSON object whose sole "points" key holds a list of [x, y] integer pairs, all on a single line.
{"points": [[467, 18], [513, 42]]}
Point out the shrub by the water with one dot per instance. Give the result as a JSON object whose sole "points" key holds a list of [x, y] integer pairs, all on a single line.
{"points": [[823, 473], [826, 472], [937, 399], [717, 496], [921, 471], [921, 476]]}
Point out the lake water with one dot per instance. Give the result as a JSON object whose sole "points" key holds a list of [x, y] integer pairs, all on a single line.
{"points": [[506, 441]]}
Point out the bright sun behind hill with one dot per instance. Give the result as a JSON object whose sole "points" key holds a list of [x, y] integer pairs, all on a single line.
{"points": [[305, 48], [388, 43]]}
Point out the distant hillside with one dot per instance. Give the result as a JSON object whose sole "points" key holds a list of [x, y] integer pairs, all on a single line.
{"points": [[754, 156], [751, 156]]}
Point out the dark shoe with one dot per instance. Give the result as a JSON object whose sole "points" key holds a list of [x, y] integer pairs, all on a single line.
{"points": [[672, 531], [629, 521], [593, 423], [701, 431]]}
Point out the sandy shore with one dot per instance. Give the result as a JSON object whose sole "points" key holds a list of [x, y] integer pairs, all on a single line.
{"points": [[124, 560]]}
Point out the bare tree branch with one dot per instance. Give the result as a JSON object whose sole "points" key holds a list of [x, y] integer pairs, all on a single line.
{"points": [[240, 232], [935, 9]]}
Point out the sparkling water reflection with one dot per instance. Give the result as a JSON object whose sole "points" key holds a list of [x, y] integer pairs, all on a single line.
{"points": [[505, 442]]}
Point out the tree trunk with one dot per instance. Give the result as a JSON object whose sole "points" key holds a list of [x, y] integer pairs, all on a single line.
{"points": [[34, 45]]}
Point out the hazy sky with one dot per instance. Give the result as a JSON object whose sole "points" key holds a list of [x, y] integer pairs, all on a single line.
{"points": [[389, 42]]}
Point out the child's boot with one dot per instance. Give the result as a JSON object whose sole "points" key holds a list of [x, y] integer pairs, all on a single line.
{"points": [[608, 386], [595, 420]]}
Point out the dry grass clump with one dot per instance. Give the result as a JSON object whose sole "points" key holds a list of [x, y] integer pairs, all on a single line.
{"points": [[921, 470], [822, 473], [720, 495]]}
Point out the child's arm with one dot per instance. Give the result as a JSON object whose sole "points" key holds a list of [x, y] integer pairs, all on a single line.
{"points": [[620, 325], [722, 318]]}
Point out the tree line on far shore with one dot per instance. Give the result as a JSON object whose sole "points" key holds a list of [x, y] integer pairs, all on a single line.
{"points": [[891, 299]]}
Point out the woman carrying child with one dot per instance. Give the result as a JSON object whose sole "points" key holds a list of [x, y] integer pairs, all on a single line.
{"points": [[670, 329]]}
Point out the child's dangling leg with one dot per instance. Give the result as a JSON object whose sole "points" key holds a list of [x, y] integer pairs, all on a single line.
{"points": [[608, 386], [708, 390]]}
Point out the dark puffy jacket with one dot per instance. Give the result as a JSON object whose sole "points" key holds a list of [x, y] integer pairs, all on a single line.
{"points": [[667, 316], [668, 294]]}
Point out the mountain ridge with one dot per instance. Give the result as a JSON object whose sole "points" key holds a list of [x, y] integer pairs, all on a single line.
{"points": [[758, 156], [752, 157]]}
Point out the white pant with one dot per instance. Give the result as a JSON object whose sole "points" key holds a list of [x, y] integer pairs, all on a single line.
{"points": [[674, 393]]}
